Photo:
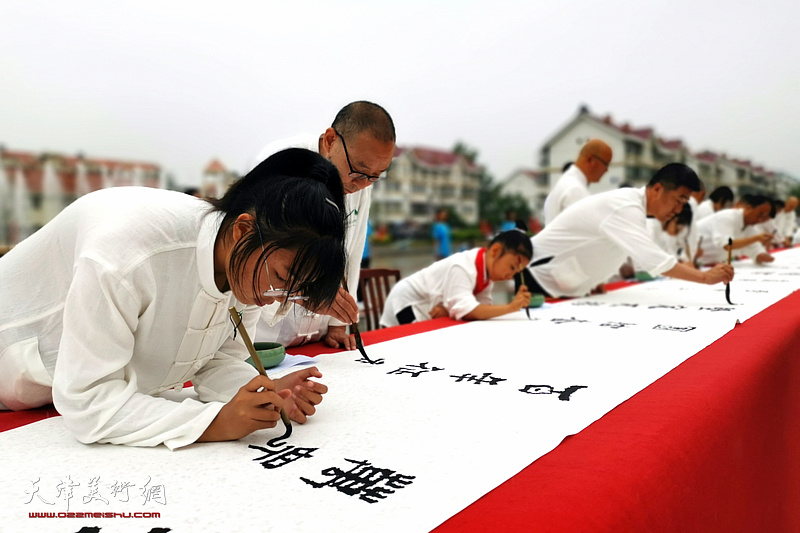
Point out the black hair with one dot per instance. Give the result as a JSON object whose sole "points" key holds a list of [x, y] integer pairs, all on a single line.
{"points": [[755, 200], [362, 116], [675, 175], [684, 218], [722, 194], [297, 200], [514, 240]]}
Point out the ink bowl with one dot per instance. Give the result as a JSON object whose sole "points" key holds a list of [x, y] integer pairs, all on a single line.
{"points": [[270, 353], [644, 276], [536, 300]]}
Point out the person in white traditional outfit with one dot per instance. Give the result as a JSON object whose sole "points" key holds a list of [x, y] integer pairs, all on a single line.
{"points": [[589, 241], [573, 185], [460, 286], [672, 235], [719, 199], [786, 221], [360, 143], [739, 225], [771, 225], [126, 294]]}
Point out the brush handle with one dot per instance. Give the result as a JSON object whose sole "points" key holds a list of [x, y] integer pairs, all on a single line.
{"points": [[237, 320]]}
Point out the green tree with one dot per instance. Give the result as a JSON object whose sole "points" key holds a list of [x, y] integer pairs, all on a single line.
{"points": [[492, 203]]}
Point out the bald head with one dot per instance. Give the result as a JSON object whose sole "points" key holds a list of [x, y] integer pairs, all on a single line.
{"points": [[791, 204], [593, 159]]}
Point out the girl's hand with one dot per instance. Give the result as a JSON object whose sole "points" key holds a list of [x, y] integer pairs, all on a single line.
{"points": [[256, 406], [306, 394]]}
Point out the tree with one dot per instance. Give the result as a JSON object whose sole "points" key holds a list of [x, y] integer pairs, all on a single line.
{"points": [[492, 203]]}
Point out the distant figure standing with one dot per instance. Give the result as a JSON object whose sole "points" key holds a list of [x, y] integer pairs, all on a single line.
{"points": [[441, 235], [512, 221], [573, 185]]}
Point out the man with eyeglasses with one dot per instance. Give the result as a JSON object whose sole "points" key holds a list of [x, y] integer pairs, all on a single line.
{"points": [[360, 143], [573, 185]]}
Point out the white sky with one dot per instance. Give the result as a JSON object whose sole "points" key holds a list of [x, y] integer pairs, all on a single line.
{"points": [[180, 83]]}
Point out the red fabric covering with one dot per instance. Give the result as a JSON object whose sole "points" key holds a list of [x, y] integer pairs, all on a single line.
{"points": [[712, 446], [15, 419]]}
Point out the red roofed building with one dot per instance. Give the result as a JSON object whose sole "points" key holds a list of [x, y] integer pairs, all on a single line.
{"points": [[421, 180], [216, 179], [36, 187], [638, 153], [531, 185]]}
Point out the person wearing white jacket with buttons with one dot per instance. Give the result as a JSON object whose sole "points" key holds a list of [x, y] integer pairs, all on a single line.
{"points": [[125, 295]]}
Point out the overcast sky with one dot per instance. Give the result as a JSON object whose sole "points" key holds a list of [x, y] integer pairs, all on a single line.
{"points": [[181, 83]]}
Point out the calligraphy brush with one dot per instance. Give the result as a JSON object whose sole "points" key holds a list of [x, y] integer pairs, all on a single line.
{"points": [[237, 320], [521, 283], [356, 333], [728, 286]]}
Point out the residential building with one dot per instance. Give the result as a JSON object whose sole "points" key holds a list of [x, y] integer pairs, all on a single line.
{"points": [[531, 185], [638, 153], [34, 188], [421, 180], [216, 180]]}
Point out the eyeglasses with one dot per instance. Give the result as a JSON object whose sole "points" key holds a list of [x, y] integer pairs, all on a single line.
{"points": [[273, 292], [353, 174], [605, 163]]}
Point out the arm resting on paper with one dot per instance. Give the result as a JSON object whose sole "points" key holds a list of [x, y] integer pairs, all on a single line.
{"points": [[763, 238], [719, 273], [486, 311]]}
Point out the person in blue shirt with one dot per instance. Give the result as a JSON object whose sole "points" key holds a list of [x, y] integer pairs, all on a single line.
{"points": [[512, 221], [441, 234]]}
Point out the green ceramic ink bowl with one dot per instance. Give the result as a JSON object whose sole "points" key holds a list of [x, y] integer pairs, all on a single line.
{"points": [[536, 300], [270, 353], [644, 276]]}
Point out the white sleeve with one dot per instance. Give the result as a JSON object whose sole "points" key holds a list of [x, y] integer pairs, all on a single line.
{"points": [[457, 295], [357, 237], [754, 249], [95, 388], [573, 195], [629, 233]]}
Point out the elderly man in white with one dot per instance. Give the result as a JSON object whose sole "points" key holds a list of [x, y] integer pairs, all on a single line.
{"points": [[573, 185]]}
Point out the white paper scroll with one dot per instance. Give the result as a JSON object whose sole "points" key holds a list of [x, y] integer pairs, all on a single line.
{"points": [[402, 445]]}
